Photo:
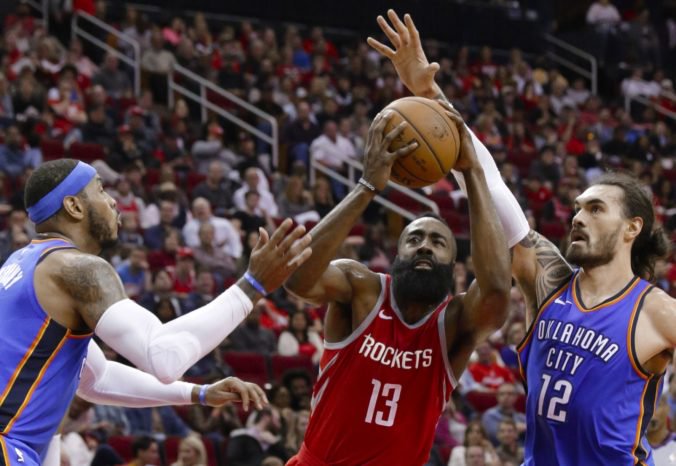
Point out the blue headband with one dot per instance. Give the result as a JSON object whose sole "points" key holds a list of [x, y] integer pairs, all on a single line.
{"points": [[75, 182]]}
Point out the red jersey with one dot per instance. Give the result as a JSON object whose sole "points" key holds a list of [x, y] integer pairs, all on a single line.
{"points": [[381, 391]]}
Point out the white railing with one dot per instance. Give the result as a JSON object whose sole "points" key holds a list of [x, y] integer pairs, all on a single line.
{"points": [[353, 166], [202, 99], [590, 73], [134, 62], [628, 100]]}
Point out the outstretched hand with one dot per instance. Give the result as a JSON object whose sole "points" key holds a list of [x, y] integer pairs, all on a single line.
{"points": [[378, 159], [408, 56], [232, 389], [467, 157], [275, 258]]}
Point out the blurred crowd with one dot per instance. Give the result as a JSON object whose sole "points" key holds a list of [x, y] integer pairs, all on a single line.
{"points": [[193, 196]]}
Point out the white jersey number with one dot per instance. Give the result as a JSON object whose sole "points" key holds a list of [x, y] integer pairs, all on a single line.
{"points": [[391, 393], [563, 390]]}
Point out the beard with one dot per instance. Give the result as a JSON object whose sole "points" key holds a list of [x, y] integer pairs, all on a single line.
{"points": [[421, 286], [589, 255], [100, 230]]}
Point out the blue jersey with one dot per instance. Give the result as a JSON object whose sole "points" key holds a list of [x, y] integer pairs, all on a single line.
{"points": [[589, 401], [40, 361]]}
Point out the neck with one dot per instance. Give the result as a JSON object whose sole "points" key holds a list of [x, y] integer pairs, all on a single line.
{"points": [[83, 244], [604, 281], [413, 311]]}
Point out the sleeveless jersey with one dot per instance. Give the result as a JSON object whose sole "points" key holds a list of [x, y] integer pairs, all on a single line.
{"points": [[589, 401], [381, 391], [40, 361]]}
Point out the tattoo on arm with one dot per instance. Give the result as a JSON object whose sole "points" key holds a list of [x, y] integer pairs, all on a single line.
{"points": [[553, 269], [93, 285]]}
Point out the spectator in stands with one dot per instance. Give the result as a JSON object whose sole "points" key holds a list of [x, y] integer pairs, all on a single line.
{"points": [[208, 151], [249, 446], [300, 339], [331, 149], [162, 289], [296, 200], [113, 417], [6, 105], [125, 152], [253, 216], [165, 310], [254, 181], [451, 428], [184, 274], [99, 128], [213, 258], [191, 452], [661, 438], [322, 196], [475, 456], [509, 450], [14, 158], [300, 133], [145, 450], [299, 384], [158, 422], [634, 85], [126, 200], [115, 81], [505, 409], [135, 274], [29, 101], [144, 137], [216, 188], [225, 235], [168, 213], [475, 436], [250, 336], [603, 14], [203, 291], [515, 333], [18, 230], [486, 372], [295, 432]]}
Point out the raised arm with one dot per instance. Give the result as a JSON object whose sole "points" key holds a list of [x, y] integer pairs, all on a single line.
{"points": [[319, 280], [485, 306], [69, 280], [537, 265]]}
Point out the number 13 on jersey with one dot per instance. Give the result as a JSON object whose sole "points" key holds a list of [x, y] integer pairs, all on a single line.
{"points": [[390, 393]]}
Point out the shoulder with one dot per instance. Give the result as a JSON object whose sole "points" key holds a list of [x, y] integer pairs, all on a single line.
{"points": [[357, 272], [659, 307]]}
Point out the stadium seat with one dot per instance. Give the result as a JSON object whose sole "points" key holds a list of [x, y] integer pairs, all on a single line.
{"points": [[281, 364], [251, 367], [87, 152], [481, 401], [52, 149], [122, 445]]}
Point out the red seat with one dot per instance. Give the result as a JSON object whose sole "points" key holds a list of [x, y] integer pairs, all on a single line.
{"points": [[193, 180], [443, 200], [406, 202], [52, 149], [481, 401], [555, 231], [281, 364], [251, 367], [122, 445], [457, 222], [87, 152]]}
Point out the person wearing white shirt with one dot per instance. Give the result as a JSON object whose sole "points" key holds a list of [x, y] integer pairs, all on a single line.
{"points": [[253, 181], [226, 236], [332, 149], [604, 13]]}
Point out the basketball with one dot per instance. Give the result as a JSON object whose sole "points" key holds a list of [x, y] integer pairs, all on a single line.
{"points": [[438, 142]]}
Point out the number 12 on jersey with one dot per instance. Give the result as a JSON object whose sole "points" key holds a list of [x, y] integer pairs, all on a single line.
{"points": [[390, 392], [562, 389]]}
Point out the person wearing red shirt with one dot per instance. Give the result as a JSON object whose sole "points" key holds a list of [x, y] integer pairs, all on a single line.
{"points": [[488, 373]]}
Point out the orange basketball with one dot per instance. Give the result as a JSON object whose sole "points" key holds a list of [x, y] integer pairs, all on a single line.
{"points": [[438, 141]]}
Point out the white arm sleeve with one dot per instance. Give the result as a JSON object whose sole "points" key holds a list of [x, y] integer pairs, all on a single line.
{"points": [[111, 383], [167, 351], [511, 216]]}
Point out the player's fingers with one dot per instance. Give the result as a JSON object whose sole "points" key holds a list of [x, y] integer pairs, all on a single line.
{"points": [[380, 47], [407, 149], [288, 241], [389, 32], [262, 239], [432, 68], [241, 388], [299, 246], [300, 258], [229, 397], [262, 393], [280, 232], [412, 30], [399, 26], [393, 134], [255, 395]]}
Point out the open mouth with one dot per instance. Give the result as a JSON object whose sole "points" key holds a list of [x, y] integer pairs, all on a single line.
{"points": [[424, 264], [577, 236]]}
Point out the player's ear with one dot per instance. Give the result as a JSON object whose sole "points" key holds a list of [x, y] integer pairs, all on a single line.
{"points": [[634, 228], [74, 207]]}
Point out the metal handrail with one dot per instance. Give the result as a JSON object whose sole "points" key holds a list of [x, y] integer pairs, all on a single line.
{"points": [[353, 165], [648, 103], [205, 84], [591, 74], [134, 62]]}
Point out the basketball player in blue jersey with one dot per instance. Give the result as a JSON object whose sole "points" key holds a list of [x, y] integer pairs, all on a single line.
{"points": [[600, 334], [55, 293]]}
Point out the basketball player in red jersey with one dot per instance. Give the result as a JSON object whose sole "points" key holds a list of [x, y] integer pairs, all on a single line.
{"points": [[396, 344]]}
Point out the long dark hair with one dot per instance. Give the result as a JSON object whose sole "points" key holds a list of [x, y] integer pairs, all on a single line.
{"points": [[652, 243]]}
